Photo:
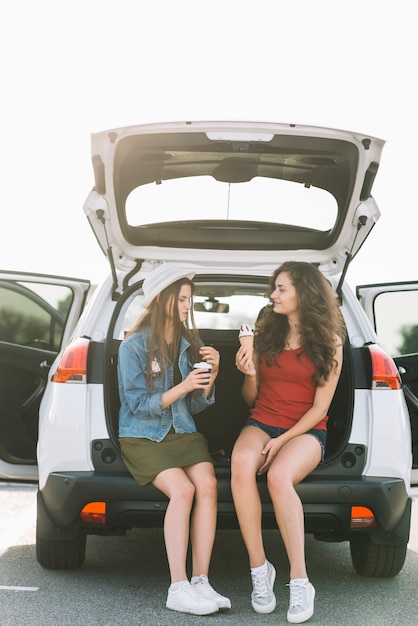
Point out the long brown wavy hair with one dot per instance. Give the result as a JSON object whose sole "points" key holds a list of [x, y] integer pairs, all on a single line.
{"points": [[319, 316], [155, 317]]}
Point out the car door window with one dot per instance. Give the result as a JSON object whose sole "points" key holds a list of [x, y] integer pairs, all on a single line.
{"points": [[396, 321], [33, 314]]}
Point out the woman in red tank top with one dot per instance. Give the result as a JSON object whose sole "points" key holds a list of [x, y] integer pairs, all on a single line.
{"points": [[289, 384]]}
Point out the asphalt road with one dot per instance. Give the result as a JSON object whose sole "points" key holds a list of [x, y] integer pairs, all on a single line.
{"points": [[124, 580]]}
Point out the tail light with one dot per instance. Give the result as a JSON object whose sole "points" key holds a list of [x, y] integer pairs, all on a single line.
{"points": [[72, 367], [362, 517], [94, 513], [385, 374]]}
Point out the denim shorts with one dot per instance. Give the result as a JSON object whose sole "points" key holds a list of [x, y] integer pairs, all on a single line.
{"points": [[275, 431]]}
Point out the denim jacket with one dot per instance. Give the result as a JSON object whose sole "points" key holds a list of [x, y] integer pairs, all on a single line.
{"points": [[141, 413]]}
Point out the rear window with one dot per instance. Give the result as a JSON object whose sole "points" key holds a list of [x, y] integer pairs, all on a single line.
{"points": [[220, 313], [228, 312], [259, 199]]}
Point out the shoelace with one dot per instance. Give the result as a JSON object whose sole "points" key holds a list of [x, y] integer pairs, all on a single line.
{"points": [[260, 585], [206, 584], [296, 595], [192, 593]]}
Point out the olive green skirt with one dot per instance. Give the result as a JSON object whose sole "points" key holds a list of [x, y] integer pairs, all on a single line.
{"points": [[145, 458]]}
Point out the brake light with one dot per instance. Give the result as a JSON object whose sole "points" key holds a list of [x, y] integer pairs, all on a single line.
{"points": [[73, 364], [94, 513], [385, 374], [362, 517]]}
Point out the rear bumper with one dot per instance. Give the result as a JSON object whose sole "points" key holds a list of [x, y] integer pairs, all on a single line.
{"points": [[327, 504]]}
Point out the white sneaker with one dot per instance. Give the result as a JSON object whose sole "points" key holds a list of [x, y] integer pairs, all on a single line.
{"points": [[263, 599], [186, 599], [301, 605], [203, 586]]}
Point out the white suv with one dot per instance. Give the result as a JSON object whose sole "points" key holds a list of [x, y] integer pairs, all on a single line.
{"points": [[229, 201]]}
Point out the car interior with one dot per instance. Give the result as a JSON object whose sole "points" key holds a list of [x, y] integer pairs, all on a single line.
{"points": [[218, 312]]}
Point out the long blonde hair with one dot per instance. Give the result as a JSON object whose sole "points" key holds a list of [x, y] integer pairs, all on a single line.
{"points": [[155, 318]]}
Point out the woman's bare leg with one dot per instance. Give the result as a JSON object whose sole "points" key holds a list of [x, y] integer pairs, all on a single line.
{"points": [[203, 520], [175, 484], [294, 462], [246, 459]]}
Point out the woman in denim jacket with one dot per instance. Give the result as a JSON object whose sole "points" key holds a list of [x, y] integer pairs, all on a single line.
{"points": [[160, 392]]}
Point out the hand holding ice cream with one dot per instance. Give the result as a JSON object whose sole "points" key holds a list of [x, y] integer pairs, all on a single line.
{"points": [[244, 357]]}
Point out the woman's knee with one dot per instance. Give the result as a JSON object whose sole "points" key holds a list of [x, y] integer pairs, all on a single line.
{"points": [[211, 482], [184, 491], [278, 481], [207, 487], [241, 458], [243, 464]]}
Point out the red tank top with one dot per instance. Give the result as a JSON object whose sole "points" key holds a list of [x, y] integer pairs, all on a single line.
{"points": [[285, 390]]}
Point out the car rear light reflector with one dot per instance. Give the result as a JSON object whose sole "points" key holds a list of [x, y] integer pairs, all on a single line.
{"points": [[72, 367], [94, 513], [362, 517], [385, 374]]}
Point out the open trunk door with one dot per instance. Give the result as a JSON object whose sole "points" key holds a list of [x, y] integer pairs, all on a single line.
{"points": [[217, 196]]}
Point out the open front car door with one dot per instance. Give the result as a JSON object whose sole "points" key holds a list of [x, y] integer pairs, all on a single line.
{"points": [[393, 310], [37, 314]]}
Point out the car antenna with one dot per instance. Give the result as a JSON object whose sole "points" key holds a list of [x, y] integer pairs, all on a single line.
{"points": [[115, 292], [349, 256]]}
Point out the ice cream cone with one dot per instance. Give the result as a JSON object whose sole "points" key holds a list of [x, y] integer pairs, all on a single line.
{"points": [[246, 338]]}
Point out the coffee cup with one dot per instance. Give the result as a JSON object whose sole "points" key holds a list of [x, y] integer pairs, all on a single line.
{"points": [[203, 366]]}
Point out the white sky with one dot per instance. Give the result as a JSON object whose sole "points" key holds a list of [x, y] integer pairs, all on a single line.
{"points": [[72, 68]]}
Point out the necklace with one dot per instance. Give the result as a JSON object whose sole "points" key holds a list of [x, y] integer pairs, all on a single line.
{"points": [[293, 338], [293, 341]]}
